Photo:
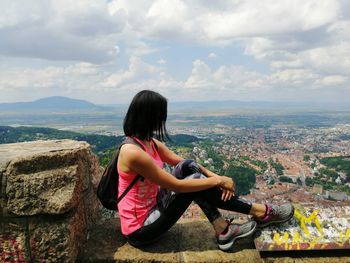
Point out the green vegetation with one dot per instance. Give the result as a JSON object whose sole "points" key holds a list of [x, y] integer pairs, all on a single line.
{"points": [[99, 143], [218, 159], [339, 164], [103, 145], [285, 179], [261, 164], [182, 139], [106, 156], [243, 176], [277, 166], [329, 173], [327, 185], [244, 158], [309, 181], [306, 158], [327, 176], [299, 182], [313, 165]]}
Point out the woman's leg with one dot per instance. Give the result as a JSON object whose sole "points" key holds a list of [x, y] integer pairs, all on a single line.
{"points": [[209, 202], [168, 212]]}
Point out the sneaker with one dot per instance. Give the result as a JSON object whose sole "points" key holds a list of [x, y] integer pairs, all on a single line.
{"points": [[276, 214], [234, 232]]}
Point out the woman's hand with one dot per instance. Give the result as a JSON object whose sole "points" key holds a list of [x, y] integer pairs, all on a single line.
{"points": [[227, 186], [226, 195], [227, 183]]}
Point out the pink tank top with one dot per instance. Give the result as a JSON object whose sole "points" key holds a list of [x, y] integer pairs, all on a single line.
{"points": [[135, 206]]}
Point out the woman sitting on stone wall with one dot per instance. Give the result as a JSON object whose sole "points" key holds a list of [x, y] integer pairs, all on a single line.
{"points": [[157, 201]]}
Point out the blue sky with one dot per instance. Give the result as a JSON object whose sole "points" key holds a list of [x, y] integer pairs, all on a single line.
{"points": [[106, 51]]}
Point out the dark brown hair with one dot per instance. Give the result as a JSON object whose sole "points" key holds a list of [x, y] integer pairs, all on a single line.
{"points": [[146, 116]]}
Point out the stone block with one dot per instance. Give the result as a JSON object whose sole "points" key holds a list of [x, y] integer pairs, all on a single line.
{"points": [[50, 186], [55, 239], [49, 192], [44, 161], [50, 181], [28, 150]]}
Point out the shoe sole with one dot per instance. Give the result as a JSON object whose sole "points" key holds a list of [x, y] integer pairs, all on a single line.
{"points": [[276, 222], [227, 246]]}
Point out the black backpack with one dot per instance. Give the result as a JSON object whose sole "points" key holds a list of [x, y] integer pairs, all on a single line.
{"points": [[107, 190]]}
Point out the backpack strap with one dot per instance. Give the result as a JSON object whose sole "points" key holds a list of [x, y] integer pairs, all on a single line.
{"points": [[137, 177]]}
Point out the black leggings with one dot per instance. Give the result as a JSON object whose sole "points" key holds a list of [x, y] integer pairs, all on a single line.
{"points": [[209, 201]]}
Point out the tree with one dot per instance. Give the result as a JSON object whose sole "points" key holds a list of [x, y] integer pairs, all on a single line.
{"points": [[309, 181], [243, 176], [306, 158], [285, 179], [299, 182]]}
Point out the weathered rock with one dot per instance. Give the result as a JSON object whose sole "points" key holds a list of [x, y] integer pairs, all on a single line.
{"points": [[49, 182], [49, 187], [49, 192], [57, 239]]}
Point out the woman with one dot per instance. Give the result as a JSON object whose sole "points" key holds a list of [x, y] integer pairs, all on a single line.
{"points": [[157, 201]]}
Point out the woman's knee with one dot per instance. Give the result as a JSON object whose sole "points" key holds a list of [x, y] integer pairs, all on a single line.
{"points": [[186, 168]]}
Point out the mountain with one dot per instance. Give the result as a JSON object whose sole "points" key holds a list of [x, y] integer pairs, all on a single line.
{"points": [[52, 104], [257, 105]]}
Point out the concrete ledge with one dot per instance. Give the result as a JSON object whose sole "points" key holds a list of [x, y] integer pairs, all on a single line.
{"points": [[187, 241]]}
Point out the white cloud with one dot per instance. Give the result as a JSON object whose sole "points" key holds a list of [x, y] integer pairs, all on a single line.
{"points": [[224, 22], [212, 55], [75, 75], [161, 62], [263, 18], [293, 77], [200, 76], [86, 43], [332, 80], [137, 69], [60, 30], [225, 82]]}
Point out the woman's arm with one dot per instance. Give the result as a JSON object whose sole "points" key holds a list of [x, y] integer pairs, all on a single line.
{"points": [[132, 158], [173, 159], [207, 172]]}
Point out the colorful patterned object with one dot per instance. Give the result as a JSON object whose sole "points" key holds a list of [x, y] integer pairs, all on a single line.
{"points": [[310, 229]]}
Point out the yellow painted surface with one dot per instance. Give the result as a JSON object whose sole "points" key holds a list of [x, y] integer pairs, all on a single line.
{"points": [[294, 240]]}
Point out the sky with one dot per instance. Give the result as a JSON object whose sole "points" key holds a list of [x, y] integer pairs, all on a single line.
{"points": [[189, 50]]}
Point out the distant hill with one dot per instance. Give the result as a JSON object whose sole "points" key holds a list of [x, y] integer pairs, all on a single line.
{"points": [[202, 106], [52, 104], [99, 143], [58, 104]]}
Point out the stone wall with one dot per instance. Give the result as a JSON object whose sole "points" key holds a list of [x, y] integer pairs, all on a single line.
{"points": [[47, 200]]}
